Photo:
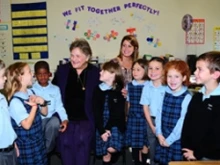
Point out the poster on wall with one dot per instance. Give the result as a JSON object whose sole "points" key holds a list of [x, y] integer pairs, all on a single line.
{"points": [[29, 31], [3, 40], [197, 33], [216, 38]]}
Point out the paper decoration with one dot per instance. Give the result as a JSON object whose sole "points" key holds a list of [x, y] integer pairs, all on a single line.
{"points": [[72, 24], [67, 13], [29, 31], [131, 31], [152, 41], [187, 22], [112, 35], [94, 35], [197, 33], [216, 38]]}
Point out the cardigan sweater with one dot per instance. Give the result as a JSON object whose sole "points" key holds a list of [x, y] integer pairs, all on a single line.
{"points": [[92, 80], [201, 129], [116, 105]]}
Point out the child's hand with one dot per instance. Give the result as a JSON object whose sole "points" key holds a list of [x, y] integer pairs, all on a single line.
{"points": [[17, 150], [165, 144], [188, 154], [31, 101], [39, 100], [161, 139], [63, 126], [106, 135]]}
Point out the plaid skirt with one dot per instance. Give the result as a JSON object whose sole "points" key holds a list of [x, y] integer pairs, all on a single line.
{"points": [[115, 141], [164, 155], [136, 133]]}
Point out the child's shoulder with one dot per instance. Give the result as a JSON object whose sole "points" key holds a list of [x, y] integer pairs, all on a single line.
{"points": [[2, 98]]}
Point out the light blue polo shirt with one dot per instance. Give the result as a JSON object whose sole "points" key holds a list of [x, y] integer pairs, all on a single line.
{"points": [[16, 108], [176, 133], [51, 93], [135, 83], [152, 96], [215, 92], [7, 133]]}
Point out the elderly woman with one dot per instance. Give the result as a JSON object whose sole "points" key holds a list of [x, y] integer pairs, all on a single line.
{"points": [[77, 80]]}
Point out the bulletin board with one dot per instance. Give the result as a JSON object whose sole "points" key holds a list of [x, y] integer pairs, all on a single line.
{"points": [[155, 23]]}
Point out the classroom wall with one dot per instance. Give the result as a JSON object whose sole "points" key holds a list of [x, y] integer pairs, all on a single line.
{"points": [[162, 21]]}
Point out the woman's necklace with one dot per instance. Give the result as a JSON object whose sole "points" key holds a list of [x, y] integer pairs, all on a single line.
{"points": [[81, 82]]}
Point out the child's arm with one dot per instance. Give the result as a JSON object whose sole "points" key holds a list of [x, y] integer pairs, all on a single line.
{"points": [[145, 101], [19, 114], [176, 133], [27, 122], [17, 150], [148, 118], [158, 124]]}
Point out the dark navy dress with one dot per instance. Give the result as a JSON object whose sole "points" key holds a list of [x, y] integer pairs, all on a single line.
{"points": [[136, 133], [171, 112]]}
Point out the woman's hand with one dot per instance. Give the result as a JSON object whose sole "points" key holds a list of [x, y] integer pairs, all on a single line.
{"points": [[124, 92]]}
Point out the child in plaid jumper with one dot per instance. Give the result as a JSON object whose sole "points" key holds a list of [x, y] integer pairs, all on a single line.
{"points": [[136, 133], [109, 105], [171, 115], [25, 110]]}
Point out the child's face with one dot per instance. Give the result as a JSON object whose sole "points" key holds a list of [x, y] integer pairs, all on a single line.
{"points": [[26, 78], [138, 72], [175, 80], [43, 76], [2, 78], [202, 72], [155, 70], [107, 77], [127, 49]]}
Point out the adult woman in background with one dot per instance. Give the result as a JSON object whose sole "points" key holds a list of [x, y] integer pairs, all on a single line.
{"points": [[129, 52], [77, 80]]}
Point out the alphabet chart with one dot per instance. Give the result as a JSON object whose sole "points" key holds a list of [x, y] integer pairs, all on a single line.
{"points": [[216, 38], [196, 35]]}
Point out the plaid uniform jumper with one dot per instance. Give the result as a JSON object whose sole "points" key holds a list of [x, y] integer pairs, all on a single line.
{"points": [[116, 139], [136, 133], [171, 112], [30, 142]]}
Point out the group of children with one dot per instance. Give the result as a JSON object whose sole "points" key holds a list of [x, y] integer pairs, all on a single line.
{"points": [[160, 106], [164, 121], [30, 124]]}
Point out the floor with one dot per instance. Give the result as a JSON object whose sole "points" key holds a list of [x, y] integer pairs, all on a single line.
{"points": [[55, 160]]}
